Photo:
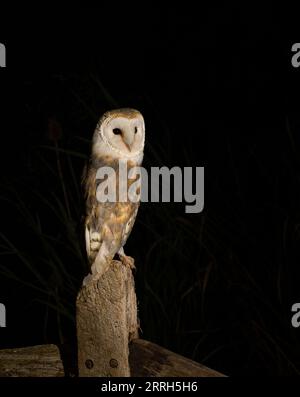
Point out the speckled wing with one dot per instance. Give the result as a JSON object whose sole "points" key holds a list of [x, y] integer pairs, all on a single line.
{"points": [[107, 225], [130, 223]]}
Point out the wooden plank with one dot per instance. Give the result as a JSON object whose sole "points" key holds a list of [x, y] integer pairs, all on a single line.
{"points": [[150, 360], [106, 317], [146, 360], [33, 361]]}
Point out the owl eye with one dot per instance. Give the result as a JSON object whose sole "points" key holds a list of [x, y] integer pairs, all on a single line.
{"points": [[135, 130], [117, 131]]}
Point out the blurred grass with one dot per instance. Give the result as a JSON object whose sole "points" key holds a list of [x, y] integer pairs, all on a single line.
{"points": [[215, 286]]}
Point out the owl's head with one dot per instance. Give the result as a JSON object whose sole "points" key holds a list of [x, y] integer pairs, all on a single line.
{"points": [[119, 134]]}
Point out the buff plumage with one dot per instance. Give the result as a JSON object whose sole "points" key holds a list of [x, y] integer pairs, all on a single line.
{"points": [[119, 135]]}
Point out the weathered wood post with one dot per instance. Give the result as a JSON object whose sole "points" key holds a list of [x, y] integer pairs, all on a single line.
{"points": [[106, 323]]}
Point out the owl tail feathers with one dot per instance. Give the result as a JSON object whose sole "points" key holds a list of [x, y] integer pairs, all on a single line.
{"points": [[99, 266], [88, 279], [97, 272]]}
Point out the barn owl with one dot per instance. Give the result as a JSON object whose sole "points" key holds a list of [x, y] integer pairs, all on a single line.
{"points": [[119, 135]]}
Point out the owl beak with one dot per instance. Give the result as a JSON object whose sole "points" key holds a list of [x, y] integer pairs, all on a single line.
{"points": [[128, 144]]}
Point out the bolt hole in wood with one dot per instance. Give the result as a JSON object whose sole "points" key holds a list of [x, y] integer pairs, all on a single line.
{"points": [[113, 363], [89, 364]]}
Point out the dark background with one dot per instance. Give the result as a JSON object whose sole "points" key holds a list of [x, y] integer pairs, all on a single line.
{"points": [[217, 89]]}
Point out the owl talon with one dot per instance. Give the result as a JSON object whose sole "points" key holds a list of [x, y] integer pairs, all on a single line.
{"points": [[127, 261]]}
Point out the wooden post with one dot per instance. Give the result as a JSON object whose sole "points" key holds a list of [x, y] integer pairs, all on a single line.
{"points": [[106, 323]]}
